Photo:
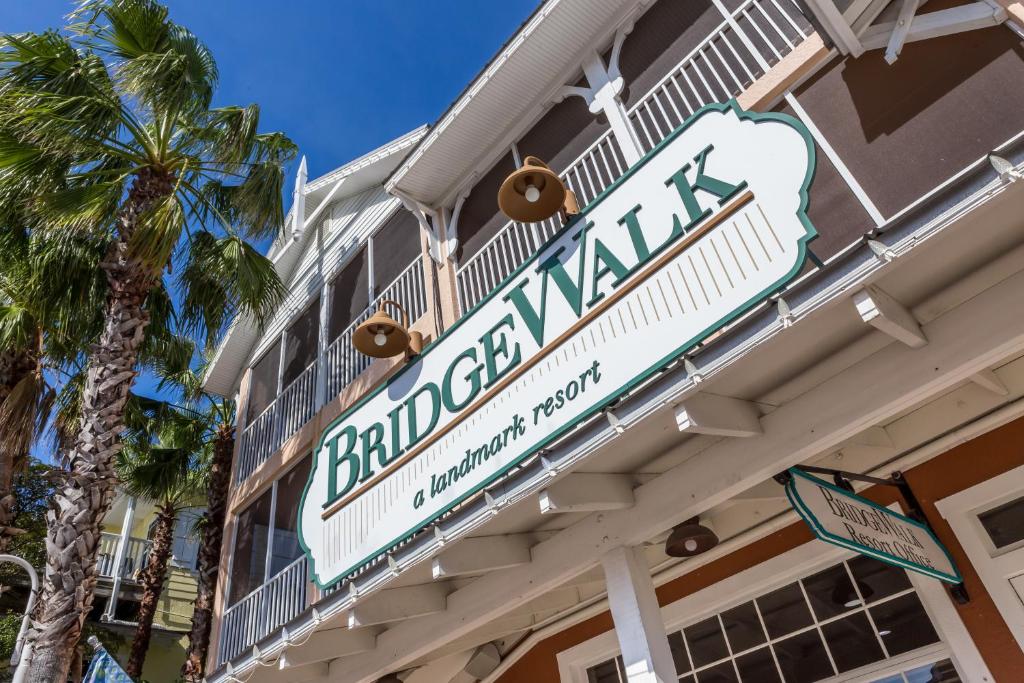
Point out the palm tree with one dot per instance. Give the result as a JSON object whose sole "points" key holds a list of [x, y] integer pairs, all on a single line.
{"points": [[221, 416], [218, 415], [42, 327], [118, 109], [171, 471]]}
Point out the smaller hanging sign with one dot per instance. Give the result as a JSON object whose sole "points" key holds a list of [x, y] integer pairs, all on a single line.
{"points": [[845, 519]]}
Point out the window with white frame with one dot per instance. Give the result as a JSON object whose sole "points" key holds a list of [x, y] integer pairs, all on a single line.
{"points": [[988, 520], [804, 617]]}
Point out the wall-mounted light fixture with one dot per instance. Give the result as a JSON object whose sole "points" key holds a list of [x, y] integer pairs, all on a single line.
{"points": [[381, 336], [534, 193]]}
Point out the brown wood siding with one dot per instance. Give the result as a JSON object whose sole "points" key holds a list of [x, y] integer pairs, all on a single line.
{"points": [[834, 210], [905, 128], [978, 460]]}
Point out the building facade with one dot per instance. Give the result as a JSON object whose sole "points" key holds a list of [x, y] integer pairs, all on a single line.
{"points": [[800, 245], [123, 554]]}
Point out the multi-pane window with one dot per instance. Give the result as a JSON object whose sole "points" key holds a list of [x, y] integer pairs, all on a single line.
{"points": [[849, 616]]}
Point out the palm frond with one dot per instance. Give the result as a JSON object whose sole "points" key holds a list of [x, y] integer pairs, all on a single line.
{"points": [[158, 233], [223, 276], [24, 414]]}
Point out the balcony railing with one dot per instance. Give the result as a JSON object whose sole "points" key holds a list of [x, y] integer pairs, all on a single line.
{"points": [[594, 170], [721, 67], [297, 403], [282, 598], [136, 553], [281, 419]]}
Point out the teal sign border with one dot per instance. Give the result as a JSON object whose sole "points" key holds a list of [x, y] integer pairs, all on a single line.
{"points": [[819, 531], [654, 368]]}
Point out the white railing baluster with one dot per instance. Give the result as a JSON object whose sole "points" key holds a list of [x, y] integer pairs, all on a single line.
{"points": [[271, 605], [778, 30], [732, 49], [738, 83], [664, 114], [757, 27]]}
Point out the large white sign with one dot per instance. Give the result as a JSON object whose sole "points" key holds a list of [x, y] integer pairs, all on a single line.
{"points": [[849, 521], [706, 225]]}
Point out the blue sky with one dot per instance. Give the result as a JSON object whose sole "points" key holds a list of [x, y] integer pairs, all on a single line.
{"points": [[340, 77]]}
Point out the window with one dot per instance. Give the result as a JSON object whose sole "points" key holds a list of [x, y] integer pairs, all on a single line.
{"points": [[1004, 524], [350, 293], [263, 382], [186, 544], [987, 521], [300, 343], [285, 548], [249, 559], [373, 268], [855, 619], [480, 218], [273, 520], [395, 246]]}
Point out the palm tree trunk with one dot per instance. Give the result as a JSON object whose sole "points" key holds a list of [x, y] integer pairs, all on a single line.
{"points": [[152, 586], [15, 365], [73, 523], [209, 554]]}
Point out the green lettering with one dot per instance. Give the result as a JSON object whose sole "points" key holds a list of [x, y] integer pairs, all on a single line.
{"points": [[572, 291], [721, 189], [435, 412], [473, 377], [605, 262], [492, 350], [373, 438], [334, 461]]}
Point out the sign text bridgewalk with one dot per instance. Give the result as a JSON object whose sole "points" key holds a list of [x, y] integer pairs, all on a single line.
{"points": [[708, 224]]}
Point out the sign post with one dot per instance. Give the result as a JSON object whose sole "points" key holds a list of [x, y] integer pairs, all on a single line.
{"points": [[842, 518]]}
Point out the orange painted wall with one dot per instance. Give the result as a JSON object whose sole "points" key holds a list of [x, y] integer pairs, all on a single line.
{"points": [[973, 462]]}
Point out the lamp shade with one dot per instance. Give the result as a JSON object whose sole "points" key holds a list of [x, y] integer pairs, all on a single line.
{"points": [[531, 193], [690, 538], [381, 336]]}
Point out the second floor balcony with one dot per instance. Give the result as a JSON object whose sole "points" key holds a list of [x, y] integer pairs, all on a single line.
{"points": [[134, 557], [312, 369]]}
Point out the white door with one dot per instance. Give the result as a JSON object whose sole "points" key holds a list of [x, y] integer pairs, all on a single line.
{"points": [[988, 520]]}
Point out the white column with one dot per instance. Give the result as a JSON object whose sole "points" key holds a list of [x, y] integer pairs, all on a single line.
{"points": [[637, 617], [604, 91], [322, 337], [122, 545]]}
